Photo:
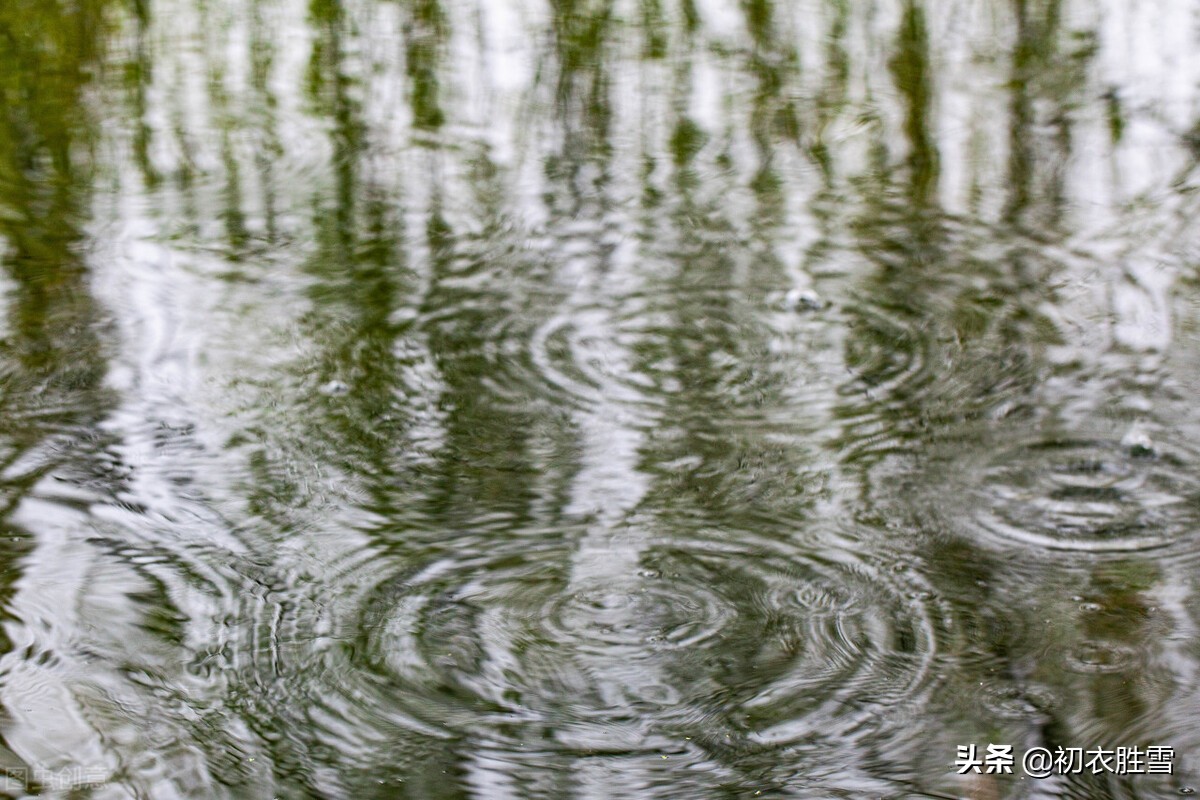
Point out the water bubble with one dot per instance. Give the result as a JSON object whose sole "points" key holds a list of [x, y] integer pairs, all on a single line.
{"points": [[1138, 442], [334, 388], [803, 300]]}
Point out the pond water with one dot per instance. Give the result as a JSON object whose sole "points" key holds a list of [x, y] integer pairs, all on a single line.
{"points": [[596, 399]]}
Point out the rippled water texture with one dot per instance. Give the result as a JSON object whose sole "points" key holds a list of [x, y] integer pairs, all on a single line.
{"points": [[513, 399]]}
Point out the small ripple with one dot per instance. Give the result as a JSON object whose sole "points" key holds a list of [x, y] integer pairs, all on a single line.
{"points": [[1085, 494], [1102, 658], [583, 354], [1017, 703], [637, 612], [856, 651], [889, 354]]}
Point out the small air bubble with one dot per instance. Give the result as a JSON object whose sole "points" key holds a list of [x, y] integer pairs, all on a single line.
{"points": [[334, 389], [803, 300], [1137, 442]]}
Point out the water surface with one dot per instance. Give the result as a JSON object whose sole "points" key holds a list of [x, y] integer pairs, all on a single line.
{"points": [[581, 399]]}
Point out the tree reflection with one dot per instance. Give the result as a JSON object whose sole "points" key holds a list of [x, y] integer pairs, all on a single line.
{"points": [[592, 395], [51, 358], [951, 351]]}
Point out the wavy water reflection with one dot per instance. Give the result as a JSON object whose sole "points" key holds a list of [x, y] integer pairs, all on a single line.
{"points": [[586, 399]]}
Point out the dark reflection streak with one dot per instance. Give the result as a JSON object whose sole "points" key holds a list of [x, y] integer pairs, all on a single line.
{"points": [[700, 327], [329, 90], [1020, 156], [362, 275], [691, 17], [581, 38], [832, 99], [355, 266], [904, 238], [487, 466], [483, 469], [138, 76], [232, 213], [1041, 71], [654, 28], [269, 148], [504, 469], [911, 70], [425, 40], [185, 169], [774, 64]]}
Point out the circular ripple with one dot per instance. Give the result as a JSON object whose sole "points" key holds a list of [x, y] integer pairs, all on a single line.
{"points": [[1100, 657], [641, 348], [888, 353], [538, 646], [1092, 495], [585, 354], [637, 612]]}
